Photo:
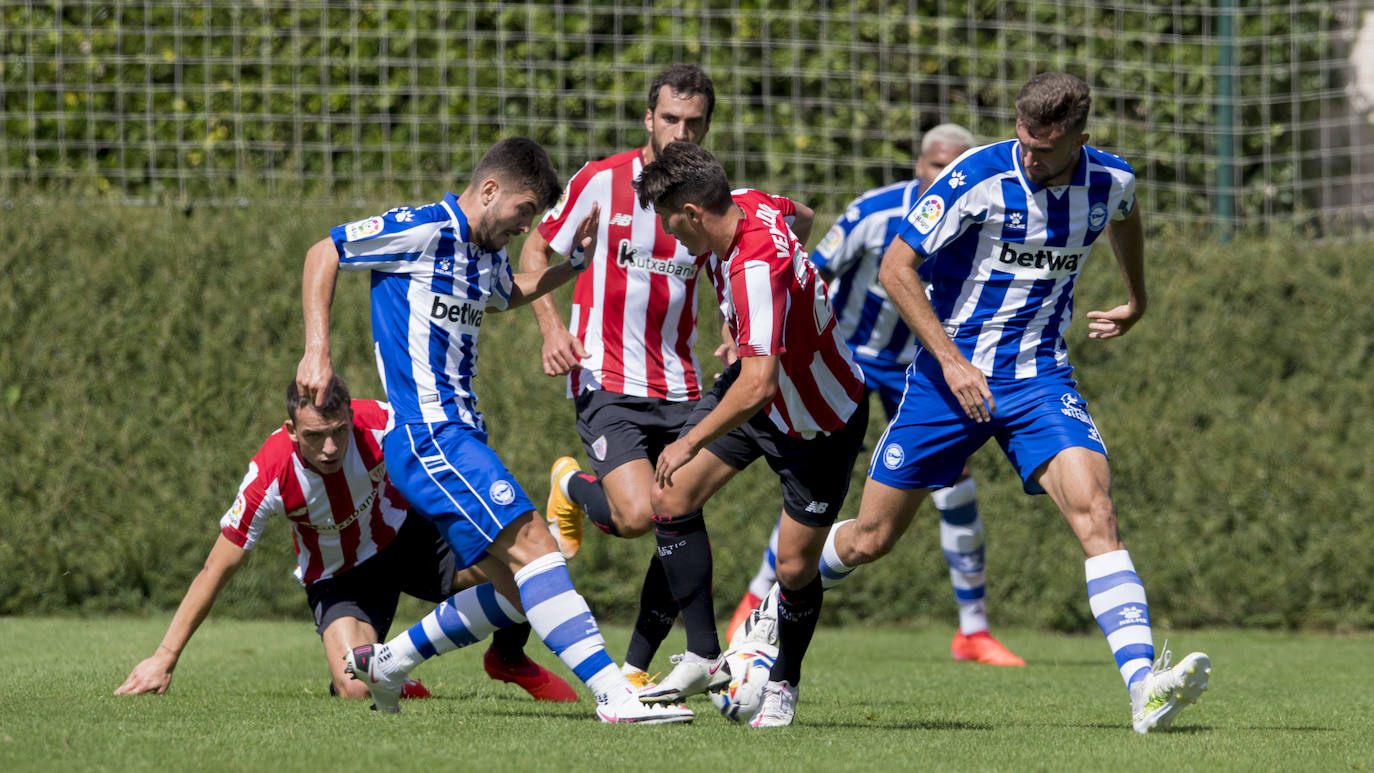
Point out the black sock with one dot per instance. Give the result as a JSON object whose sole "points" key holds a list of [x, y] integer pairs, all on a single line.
{"points": [[798, 611], [509, 642], [657, 611], [686, 552], [587, 492]]}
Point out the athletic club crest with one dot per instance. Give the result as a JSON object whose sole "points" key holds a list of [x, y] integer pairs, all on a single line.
{"points": [[599, 448]]}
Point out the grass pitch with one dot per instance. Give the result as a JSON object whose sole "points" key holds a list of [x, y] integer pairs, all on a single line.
{"points": [[253, 696]]}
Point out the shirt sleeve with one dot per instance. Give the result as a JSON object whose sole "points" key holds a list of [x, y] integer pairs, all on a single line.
{"points": [[393, 241], [944, 213], [258, 499], [560, 223], [758, 289]]}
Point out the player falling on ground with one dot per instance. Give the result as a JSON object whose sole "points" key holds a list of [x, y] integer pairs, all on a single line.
{"points": [[883, 346], [357, 549], [628, 350], [437, 270], [1001, 237], [794, 397]]}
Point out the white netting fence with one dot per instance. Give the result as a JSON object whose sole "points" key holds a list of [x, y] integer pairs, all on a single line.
{"points": [[1238, 113]]}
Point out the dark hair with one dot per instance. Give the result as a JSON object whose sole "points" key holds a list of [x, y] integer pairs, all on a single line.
{"points": [[523, 163], [684, 173], [337, 404], [687, 80], [1054, 100]]}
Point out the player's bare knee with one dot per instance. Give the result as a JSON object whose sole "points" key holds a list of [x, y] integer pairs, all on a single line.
{"points": [[794, 572], [635, 522], [871, 542]]}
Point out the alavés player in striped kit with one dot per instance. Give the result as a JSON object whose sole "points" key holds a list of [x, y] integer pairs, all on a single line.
{"points": [[794, 397], [436, 271], [1001, 237], [848, 258]]}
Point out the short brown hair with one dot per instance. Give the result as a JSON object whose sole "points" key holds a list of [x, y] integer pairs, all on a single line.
{"points": [[687, 80], [337, 403], [684, 173], [524, 163], [1054, 100]]}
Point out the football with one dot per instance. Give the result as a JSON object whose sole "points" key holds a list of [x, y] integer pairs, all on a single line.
{"points": [[749, 666]]}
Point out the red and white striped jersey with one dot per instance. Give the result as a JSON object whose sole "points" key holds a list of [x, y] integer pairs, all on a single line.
{"points": [[337, 520], [775, 303], [634, 307]]}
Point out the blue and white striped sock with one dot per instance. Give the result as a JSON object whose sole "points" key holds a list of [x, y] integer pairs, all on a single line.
{"points": [[961, 540], [833, 570], [560, 617], [1118, 602], [467, 617], [768, 567]]}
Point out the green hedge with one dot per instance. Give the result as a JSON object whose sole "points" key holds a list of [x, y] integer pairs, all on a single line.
{"points": [[147, 351]]}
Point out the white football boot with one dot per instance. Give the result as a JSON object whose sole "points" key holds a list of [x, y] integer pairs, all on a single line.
{"points": [[779, 705], [1165, 691], [624, 706], [362, 663], [692, 674]]}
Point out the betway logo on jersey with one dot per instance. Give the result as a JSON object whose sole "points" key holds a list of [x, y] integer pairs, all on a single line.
{"points": [[629, 257], [456, 313], [1043, 258]]}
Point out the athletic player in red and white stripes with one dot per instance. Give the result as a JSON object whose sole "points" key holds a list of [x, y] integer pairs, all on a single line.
{"points": [[794, 396], [627, 352], [356, 548]]}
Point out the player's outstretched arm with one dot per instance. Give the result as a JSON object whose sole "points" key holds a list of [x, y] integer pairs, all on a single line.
{"points": [[529, 285], [561, 351], [1128, 242], [317, 296], [898, 275], [154, 673]]}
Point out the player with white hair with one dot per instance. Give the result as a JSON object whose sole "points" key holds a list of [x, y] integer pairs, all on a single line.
{"points": [[883, 347]]}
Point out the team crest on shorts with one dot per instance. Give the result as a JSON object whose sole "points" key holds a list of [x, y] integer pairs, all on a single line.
{"points": [[502, 492], [599, 448], [893, 456], [1074, 410]]}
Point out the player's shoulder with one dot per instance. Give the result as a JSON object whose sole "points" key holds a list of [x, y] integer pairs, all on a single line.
{"points": [[276, 455], [753, 200], [617, 161], [370, 414], [984, 162], [1110, 161], [396, 220], [892, 196]]}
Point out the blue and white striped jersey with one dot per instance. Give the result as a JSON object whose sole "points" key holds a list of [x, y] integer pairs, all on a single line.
{"points": [[1002, 253], [431, 288], [852, 251]]}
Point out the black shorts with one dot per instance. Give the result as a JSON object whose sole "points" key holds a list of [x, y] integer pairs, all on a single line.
{"points": [[416, 562], [814, 473], [617, 428]]}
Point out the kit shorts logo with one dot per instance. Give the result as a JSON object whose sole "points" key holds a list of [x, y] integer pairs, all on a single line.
{"points": [[502, 492], [599, 448], [893, 456]]}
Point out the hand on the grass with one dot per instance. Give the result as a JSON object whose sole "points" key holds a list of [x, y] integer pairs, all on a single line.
{"points": [[152, 675]]}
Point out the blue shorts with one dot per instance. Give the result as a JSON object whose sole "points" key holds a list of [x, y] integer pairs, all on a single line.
{"points": [[888, 379], [929, 440], [451, 476]]}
